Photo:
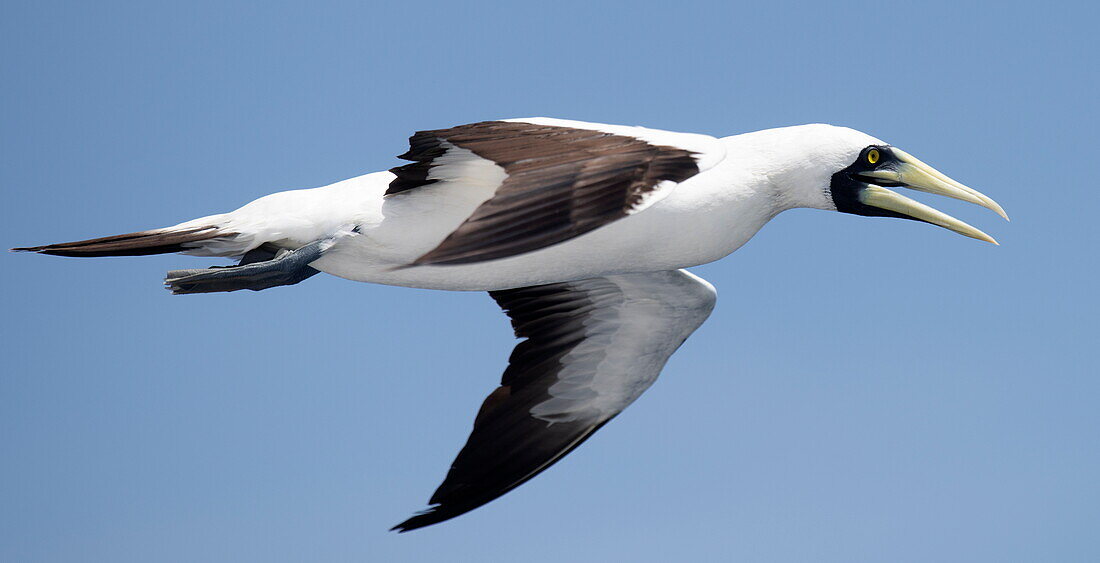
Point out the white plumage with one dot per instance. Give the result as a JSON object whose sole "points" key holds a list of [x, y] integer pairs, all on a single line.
{"points": [[579, 231], [744, 181]]}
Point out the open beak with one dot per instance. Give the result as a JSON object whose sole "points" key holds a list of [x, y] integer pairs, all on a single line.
{"points": [[910, 172]]}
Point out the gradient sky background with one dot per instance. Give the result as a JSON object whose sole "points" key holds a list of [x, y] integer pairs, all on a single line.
{"points": [[866, 390]]}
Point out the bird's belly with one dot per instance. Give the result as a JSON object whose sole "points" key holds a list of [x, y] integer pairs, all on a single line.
{"points": [[669, 235]]}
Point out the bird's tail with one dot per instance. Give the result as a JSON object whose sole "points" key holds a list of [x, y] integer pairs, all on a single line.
{"points": [[208, 236]]}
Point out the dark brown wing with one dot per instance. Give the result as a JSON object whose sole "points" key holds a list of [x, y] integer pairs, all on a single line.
{"points": [[593, 346], [560, 182]]}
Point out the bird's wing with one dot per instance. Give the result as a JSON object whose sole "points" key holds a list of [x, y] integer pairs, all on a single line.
{"points": [[592, 347], [554, 179]]}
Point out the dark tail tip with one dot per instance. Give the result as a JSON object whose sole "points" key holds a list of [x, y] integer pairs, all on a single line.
{"points": [[142, 243]]}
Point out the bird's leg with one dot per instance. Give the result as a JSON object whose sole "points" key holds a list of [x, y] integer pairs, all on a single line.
{"points": [[261, 268]]}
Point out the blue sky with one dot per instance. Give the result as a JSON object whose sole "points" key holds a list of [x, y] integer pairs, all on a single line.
{"points": [[866, 390]]}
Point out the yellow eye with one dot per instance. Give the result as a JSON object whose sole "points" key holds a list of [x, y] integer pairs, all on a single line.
{"points": [[872, 156]]}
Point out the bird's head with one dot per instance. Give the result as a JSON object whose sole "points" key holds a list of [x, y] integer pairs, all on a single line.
{"points": [[849, 171]]}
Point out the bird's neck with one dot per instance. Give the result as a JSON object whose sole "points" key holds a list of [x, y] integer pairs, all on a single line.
{"points": [[780, 169]]}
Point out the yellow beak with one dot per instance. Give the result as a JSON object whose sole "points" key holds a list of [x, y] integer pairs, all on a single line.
{"points": [[912, 173]]}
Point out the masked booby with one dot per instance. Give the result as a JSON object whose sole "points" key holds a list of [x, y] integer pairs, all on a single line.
{"points": [[579, 231]]}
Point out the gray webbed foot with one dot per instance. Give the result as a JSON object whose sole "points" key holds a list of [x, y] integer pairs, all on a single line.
{"points": [[259, 269]]}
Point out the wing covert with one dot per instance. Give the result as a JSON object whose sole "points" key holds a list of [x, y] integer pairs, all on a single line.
{"points": [[561, 179]]}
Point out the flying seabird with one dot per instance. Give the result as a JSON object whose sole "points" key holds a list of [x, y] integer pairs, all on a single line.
{"points": [[579, 231]]}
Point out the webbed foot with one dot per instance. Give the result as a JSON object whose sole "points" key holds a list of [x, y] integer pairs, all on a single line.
{"points": [[261, 268]]}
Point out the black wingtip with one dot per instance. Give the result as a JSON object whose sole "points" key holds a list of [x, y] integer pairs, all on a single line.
{"points": [[434, 515], [406, 526], [421, 520]]}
